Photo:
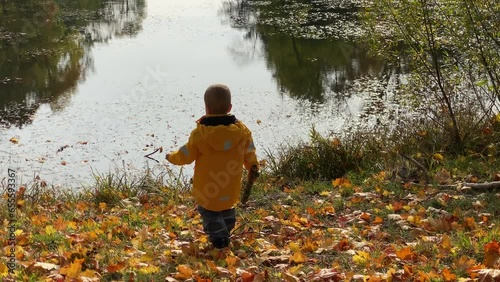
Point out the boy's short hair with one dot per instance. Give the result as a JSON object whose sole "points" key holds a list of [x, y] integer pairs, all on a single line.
{"points": [[218, 99]]}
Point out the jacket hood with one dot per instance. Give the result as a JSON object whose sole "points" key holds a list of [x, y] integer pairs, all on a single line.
{"points": [[221, 132]]}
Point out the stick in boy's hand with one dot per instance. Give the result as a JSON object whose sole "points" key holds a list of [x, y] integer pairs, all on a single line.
{"points": [[252, 176]]}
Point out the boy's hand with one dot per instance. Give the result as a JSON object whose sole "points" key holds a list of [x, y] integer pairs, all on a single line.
{"points": [[253, 174]]}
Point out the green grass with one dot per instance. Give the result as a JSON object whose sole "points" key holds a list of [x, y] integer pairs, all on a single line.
{"points": [[292, 201]]}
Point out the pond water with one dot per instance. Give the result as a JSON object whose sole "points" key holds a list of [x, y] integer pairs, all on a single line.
{"points": [[93, 86]]}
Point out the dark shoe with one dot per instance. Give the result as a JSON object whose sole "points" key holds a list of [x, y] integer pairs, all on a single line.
{"points": [[220, 242]]}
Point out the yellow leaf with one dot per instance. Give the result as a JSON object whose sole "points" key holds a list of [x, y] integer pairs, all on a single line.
{"points": [[341, 182], [325, 193], [203, 239], [72, 270], [294, 247], [14, 140], [309, 247], [146, 258], [498, 117], [438, 157], [4, 270], [137, 242], [49, 230], [295, 269], [298, 257], [390, 274], [18, 232], [72, 225], [185, 272], [149, 269], [88, 273], [361, 258]]}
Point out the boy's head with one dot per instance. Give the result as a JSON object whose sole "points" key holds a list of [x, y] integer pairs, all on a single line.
{"points": [[217, 99]]}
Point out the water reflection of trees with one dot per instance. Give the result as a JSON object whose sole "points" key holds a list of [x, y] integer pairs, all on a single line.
{"points": [[45, 49], [298, 46]]}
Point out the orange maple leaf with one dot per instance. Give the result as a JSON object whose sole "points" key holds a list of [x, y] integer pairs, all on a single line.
{"points": [[405, 254], [448, 276]]}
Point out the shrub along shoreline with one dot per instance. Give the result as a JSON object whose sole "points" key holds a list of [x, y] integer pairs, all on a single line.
{"points": [[340, 208]]}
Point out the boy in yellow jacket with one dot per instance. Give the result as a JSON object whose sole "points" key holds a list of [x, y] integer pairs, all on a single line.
{"points": [[221, 146]]}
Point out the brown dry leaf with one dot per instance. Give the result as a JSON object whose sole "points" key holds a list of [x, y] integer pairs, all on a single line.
{"points": [[342, 245], [496, 176], [112, 268], [442, 177], [365, 216], [14, 140], [492, 253], [463, 263], [469, 223], [246, 276]]}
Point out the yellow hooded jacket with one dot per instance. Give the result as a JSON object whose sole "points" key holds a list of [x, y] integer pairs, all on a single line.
{"points": [[221, 145]]}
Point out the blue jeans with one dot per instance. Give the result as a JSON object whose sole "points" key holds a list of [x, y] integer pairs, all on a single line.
{"points": [[218, 225]]}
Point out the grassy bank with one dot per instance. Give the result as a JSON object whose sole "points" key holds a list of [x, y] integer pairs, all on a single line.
{"points": [[342, 208]]}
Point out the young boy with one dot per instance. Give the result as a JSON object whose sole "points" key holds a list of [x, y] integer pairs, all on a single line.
{"points": [[220, 145]]}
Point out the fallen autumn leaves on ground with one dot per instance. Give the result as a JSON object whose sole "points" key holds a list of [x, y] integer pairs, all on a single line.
{"points": [[377, 231]]}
